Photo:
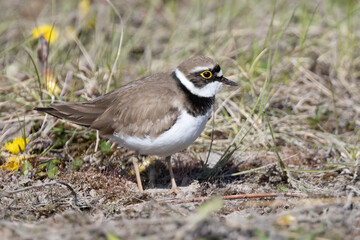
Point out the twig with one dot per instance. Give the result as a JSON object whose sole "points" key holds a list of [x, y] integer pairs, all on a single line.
{"points": [[305, 199], [231, 197], [312, 201], [97, 141], [66, 147], [7, 194], [356, 170]]}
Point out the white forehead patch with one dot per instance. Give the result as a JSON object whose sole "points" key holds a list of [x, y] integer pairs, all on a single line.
{"points": [[219, 74], [209, 90], [201, 68]]}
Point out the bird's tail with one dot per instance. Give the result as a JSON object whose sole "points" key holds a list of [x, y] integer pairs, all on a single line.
{"points": [[80, 113]]}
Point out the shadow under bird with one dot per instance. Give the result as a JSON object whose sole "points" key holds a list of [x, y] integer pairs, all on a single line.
{"points": [[157, 115]]}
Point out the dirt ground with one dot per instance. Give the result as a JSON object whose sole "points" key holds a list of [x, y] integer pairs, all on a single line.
{"points": [[298, 104], [323, 205]]}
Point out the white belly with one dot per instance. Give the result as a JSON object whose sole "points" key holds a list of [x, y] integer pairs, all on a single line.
{"points": [[184, 132]]}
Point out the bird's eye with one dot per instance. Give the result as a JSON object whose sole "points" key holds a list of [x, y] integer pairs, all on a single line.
{"points": [[206, 74]]}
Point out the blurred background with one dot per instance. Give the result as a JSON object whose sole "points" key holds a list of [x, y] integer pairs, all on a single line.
{"points": [[297, 64], [298, 59]]}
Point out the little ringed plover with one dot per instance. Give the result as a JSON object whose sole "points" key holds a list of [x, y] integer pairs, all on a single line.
{"points": [[157, 115]]}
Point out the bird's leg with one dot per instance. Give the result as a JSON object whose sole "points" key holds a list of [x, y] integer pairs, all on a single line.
{"points": [[174, 188], [113, 149], [135, 161], [152, 176]]}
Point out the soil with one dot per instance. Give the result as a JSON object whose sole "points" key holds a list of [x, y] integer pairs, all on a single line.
{"points": [[324, 205]]}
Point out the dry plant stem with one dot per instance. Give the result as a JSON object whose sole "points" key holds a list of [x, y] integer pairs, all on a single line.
{"points": [[212, 136], [85, 53], [135, 162], [285, 175], [66, 147], [174, 188], [119, 47], [356, 170], [252, 200], [231, 197], [303, 202], [7, 194], [97, 141]]}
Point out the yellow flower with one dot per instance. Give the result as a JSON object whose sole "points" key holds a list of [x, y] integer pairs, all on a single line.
{"points": [[84, 7], [17, 145], [13, 163], [50, 33]]}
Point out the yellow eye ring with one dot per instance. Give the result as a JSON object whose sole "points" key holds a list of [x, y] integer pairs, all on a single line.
{"points": [[206, 74]]}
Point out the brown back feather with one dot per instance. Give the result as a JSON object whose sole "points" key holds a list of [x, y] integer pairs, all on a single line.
{"points": [[135, 110]]}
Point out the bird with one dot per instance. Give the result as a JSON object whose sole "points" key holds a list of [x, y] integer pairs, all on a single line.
{"points": [[160, 114]]}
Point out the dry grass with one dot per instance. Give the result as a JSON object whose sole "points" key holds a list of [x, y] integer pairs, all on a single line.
{"points": [[297, 64]]}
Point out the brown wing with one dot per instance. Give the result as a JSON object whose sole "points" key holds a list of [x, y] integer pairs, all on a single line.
{"points": [[145, 107]]}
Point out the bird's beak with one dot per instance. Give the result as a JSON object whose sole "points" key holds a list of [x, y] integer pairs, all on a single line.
{"points": [[228, 82]]}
